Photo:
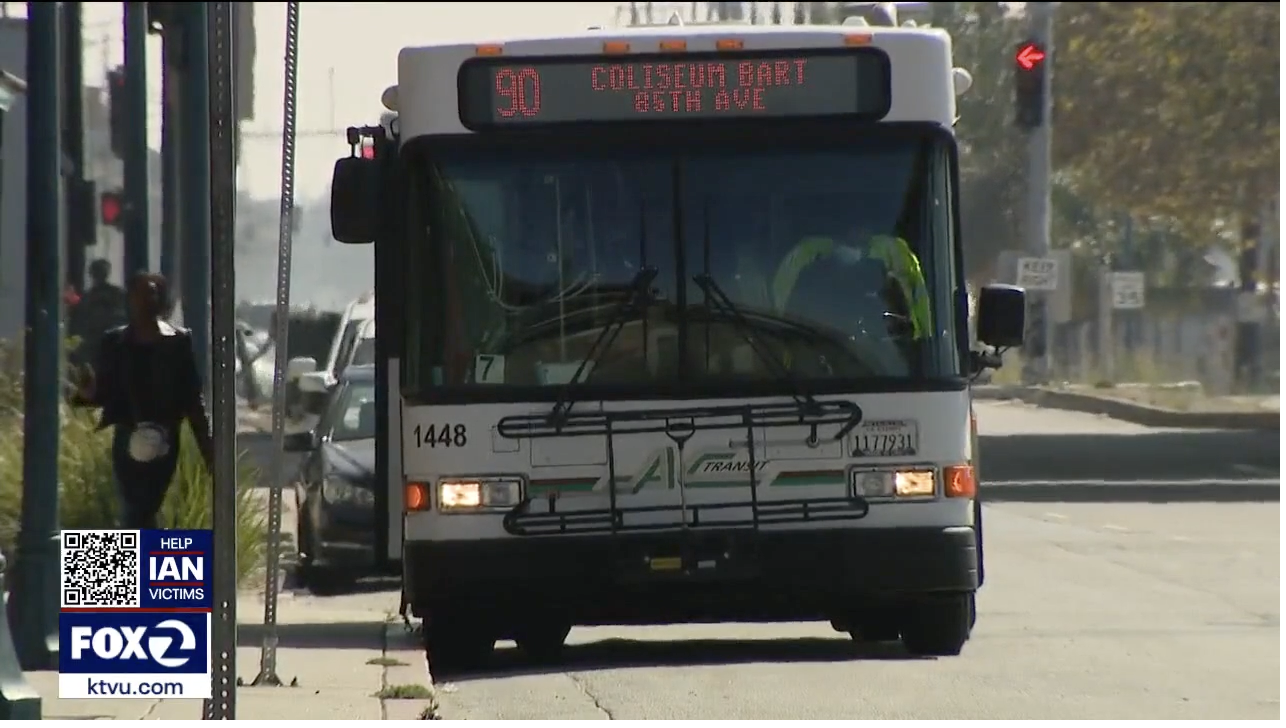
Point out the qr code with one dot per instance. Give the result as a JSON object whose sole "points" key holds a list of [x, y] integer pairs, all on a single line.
{"points": [[100, 569]]}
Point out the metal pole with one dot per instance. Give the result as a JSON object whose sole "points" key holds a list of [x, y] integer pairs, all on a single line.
{"points": [[81, 223], [1106, 334], [170, 176], [276, 472], [194, 166], [222, 201], [33, 600], [1041, 17], [1268, 231], [137, 255]]}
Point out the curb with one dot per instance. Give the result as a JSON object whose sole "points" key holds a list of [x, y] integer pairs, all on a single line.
{"points": [[406, 667], [1140, 492], [1140, 414]]}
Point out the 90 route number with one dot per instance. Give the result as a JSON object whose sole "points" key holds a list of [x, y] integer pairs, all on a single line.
{"points": [[443, 435]]}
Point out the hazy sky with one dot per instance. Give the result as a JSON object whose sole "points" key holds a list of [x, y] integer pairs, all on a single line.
{"points": [[348, 56]]}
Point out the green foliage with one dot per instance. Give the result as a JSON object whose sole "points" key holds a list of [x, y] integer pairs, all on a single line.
{"points": [[1169, 109], [86, 489]]}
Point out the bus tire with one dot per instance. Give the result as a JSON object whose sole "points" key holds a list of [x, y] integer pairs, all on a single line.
{"points": [[938, 626], [453, 644], [870, 625], [542, 641]]}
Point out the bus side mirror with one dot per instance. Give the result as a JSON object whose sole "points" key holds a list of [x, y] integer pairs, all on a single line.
{"points": [[354, 200], [1002, 316]]}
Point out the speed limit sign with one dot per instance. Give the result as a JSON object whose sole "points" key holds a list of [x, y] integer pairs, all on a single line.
{"points": [[1129, 290]]}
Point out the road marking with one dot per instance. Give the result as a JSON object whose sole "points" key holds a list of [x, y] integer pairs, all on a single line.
{"points": [[1114, 527], [1056, 516]]}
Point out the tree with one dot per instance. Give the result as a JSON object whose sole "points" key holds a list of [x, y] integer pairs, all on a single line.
{"points": [[1169, 109], [991, 152]]}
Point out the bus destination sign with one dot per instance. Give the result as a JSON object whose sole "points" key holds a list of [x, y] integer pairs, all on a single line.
{"points": [[537, 91]]}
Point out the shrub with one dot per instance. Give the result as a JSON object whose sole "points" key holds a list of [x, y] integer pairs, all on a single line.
{"points": [[86, 489]]}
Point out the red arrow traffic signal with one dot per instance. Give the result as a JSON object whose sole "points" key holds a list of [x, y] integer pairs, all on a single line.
{"points": [[1029, 55], [111, 208]]}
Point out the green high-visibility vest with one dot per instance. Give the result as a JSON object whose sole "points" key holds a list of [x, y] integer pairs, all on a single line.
{"points": [[894, 252]]}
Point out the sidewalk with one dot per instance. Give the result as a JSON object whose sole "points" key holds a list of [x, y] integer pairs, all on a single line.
{"points": [[341, 652]]}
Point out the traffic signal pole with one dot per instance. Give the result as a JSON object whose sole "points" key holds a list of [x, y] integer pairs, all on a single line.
{"points": [[1040, 336], [137, 256]]}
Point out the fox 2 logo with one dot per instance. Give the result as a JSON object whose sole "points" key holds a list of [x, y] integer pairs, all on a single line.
{"points": [[138, 642]]}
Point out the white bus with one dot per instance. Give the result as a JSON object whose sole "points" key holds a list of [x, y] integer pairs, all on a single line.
{"points": [[608, 396]]}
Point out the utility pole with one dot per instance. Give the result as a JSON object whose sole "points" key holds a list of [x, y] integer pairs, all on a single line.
{"points": [[1040, 328], [34, 596], [137, 250], [194, 166], [170, 174]]}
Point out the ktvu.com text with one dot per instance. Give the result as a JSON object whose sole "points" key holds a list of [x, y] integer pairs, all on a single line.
{"points": [[135, 617]]}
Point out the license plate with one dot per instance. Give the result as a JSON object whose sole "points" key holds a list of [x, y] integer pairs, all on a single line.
{"points": [[886, 438]]}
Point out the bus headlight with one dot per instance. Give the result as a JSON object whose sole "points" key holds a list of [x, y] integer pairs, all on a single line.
{"points": [[914, 484], [890, 484], [481, 494]]}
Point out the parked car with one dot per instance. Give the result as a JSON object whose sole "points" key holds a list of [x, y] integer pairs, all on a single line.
{"points": [[334, 491], [356, 328]]}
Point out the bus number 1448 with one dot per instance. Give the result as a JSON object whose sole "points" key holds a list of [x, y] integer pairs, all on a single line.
{"points": [[443, 435]]}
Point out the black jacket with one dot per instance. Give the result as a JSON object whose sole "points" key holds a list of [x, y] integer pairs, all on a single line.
{"points": [[173, 390]]}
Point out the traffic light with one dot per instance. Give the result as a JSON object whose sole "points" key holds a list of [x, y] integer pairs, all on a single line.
{"points": [[1030, 67], [117, 116], [111, 209]]}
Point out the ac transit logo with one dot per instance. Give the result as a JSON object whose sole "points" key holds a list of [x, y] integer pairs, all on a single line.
{"points": [[113, 643], [127, 643]]}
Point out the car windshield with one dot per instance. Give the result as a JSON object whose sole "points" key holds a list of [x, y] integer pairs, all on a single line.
{"points": [[365, 353], [531, 250], [346, 341], [353, 414]]}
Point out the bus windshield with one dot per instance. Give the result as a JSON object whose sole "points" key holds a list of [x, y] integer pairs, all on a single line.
{"points": [[816, 246]]}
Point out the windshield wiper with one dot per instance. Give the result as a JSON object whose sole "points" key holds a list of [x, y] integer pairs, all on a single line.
{"points": [[721, 303], [637, 302]]}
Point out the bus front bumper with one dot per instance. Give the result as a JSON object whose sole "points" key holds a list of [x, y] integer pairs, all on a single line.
{"points": [[694, 576]]}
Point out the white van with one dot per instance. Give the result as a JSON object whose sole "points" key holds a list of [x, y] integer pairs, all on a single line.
{"points": [[359, 316]]}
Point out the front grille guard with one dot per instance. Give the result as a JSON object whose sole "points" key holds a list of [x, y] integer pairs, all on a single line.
{"points": [[680, 424]]}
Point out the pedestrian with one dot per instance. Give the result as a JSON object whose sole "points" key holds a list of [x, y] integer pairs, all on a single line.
{"points": [[102, 307], [146, 381]]}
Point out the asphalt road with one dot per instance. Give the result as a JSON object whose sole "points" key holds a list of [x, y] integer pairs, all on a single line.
{"points": [[1110, 594], [1034, 454], [1090, 611]]}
